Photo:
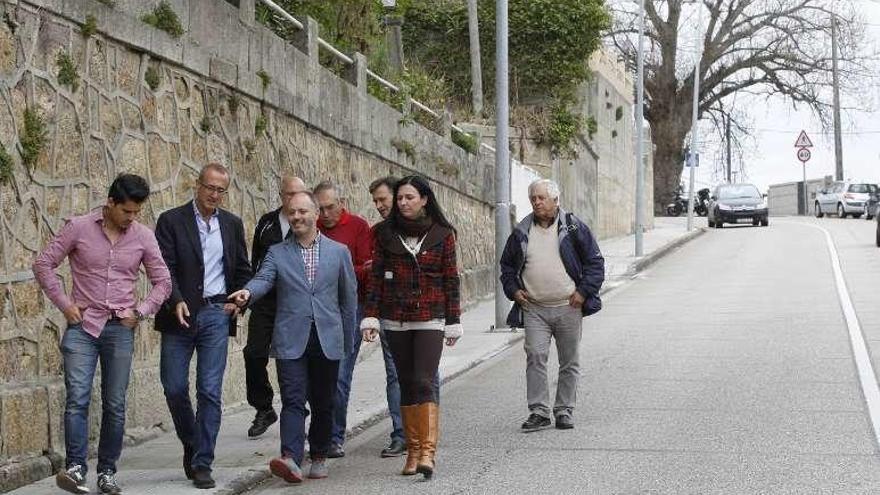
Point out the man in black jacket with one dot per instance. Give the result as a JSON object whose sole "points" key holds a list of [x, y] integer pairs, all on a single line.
{"points": [[204, 248], [271, 229]]}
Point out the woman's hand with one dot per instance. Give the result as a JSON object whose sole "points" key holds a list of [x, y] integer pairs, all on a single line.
{"points": [[370, 334]]}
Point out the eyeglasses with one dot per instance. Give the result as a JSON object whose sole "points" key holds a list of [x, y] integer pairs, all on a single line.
{"points": [[214, 189]]}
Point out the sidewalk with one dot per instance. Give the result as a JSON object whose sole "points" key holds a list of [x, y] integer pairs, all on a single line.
{"points": [[153, 467]]}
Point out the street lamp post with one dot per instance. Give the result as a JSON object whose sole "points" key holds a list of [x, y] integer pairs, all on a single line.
{"points": [[640, 129], [502, 157], [692, 160]]}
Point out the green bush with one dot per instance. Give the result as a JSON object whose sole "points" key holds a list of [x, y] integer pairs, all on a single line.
{"points": [[152, 78], [33, 138], [164, 17], [550, 42], [466, 141], [67, 72], [5, 166], [205, 124], [233, 101], [265, 79], [260, 125], [90, 27], [565, 125], [592, 126], [405, 147]]}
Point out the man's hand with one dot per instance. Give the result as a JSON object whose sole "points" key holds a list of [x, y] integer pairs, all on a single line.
{"points": [[521, 297], [73, 315], [231, 309], [182, 312], [240, 297], [576, 300], [451, 341], [370, 334]]}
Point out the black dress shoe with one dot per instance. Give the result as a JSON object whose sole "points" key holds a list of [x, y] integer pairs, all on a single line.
{"points": [[564, 422], [202, 478], [336, 451], [535, 422], [188, 453], [396, 448], [262, 421]]}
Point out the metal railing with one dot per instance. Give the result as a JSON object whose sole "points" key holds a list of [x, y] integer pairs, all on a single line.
{"points": [[345, 59]]}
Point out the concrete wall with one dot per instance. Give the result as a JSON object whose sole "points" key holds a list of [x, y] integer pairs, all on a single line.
{"points": [[787, 198], [608, 98], [205, 107]]}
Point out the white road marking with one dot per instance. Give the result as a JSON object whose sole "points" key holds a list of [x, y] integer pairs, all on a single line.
{"points": [[867, 378]]}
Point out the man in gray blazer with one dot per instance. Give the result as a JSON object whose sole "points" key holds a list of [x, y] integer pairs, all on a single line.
{"points": [[314, 324]]}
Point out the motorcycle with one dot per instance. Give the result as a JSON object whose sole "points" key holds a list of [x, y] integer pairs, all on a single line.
{"points": [[679, 206]]}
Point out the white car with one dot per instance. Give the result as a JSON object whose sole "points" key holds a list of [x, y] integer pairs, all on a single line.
{"points": [[843, 198]]}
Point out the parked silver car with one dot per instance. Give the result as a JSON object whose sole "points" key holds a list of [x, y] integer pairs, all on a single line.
{"points": [[843, 198]]}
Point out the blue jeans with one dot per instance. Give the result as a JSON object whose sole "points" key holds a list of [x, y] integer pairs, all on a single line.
{"points": [[311, 377], [208, 338], [81, 351], [343, 390], [392, 390]]}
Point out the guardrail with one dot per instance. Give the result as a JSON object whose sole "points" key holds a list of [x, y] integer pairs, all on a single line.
{"points": [[345, 59]]}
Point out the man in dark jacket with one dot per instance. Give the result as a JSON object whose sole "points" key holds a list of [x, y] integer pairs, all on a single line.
{"points": [[204, 248], [272, 228], [552, 269]]}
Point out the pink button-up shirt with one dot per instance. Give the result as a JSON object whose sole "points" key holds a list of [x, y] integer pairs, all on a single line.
{"points": [[103, 273]]}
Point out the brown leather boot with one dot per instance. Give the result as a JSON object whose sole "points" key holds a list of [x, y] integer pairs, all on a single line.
{"points": [[429, 426], [411, 431]]}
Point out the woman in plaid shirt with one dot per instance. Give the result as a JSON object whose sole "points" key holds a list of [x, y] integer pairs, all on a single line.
{"points": [[413, 295]]}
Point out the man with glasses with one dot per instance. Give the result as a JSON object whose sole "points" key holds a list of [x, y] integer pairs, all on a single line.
{"points": [[204, 248], [105, 248], [353, 231], [272, 228]]}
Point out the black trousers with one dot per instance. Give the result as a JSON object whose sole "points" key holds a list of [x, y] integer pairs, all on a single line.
{"points": [[416, 357], [256, 359]]}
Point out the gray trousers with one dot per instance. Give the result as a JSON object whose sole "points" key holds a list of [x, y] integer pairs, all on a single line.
{"points": [[542, 324]]}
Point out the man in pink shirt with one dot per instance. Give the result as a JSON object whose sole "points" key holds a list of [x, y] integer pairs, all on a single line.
{"points": [[105, 248]]}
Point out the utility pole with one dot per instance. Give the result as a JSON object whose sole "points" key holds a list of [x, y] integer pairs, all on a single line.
{"points": [[838, 143], [640, 129], [727, 140], [692, 159], [476, 69], [502, 157]]}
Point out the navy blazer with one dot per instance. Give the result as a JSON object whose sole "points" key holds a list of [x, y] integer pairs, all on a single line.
{"points": [[330, 303], [178, 237]]}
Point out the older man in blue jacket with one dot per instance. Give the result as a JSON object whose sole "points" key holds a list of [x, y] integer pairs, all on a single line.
{"points": [[314, 324], [552, 269]]}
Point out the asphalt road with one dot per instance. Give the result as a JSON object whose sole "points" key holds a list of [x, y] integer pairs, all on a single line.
{"points": [[725, 368]]}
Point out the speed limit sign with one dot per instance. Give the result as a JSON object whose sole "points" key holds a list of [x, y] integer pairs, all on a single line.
{"points": [[803, 154]]}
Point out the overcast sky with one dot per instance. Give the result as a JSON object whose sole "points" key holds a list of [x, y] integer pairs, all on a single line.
{"points": [[769, 157]]}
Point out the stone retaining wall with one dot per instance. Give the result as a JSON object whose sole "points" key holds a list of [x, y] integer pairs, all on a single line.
{"points": [[207, 102]]}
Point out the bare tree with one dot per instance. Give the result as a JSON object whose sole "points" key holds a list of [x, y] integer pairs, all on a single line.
{"points": [[762, 47]]}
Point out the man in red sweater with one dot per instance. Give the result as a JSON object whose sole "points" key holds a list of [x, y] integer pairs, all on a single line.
{"points": [[337, 223]]}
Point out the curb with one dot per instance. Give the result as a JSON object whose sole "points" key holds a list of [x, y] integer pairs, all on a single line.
{"points": [[649, 259]]}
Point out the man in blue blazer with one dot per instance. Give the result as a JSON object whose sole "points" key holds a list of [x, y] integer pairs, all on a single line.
{"points": [[314, 327]]}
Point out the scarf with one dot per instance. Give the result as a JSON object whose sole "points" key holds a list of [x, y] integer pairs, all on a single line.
{"points": [[415, 228]]}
